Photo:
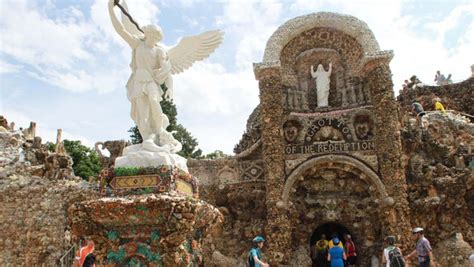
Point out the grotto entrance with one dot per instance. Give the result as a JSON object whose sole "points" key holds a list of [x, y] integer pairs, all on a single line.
{"points": [[329, 229], [334, 193]]}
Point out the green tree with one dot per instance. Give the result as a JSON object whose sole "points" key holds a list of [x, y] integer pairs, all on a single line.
{"points": [[217, 154], [85, 160], [51, 146], [179, 132]]}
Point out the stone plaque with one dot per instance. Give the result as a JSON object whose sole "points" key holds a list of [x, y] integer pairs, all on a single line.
{"points": [[184, 187], [140, 181]]}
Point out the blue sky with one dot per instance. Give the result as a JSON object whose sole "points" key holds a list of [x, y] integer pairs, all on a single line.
{"points": [[63, 66]]}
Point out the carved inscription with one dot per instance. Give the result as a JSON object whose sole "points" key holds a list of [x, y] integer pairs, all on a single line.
{"points": [[330, 147], [327, 129], [329, 135]]}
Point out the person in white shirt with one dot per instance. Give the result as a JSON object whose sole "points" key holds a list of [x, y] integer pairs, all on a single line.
{"points": [[397, 256]]}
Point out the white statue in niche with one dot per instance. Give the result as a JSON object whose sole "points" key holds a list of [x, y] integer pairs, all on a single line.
{"points": [[152, 66], [322, 83]]}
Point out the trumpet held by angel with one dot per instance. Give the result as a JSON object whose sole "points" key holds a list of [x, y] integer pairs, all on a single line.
{"points": [[153, 67]]}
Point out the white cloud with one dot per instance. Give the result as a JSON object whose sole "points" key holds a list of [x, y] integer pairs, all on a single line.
{"points": [[249, 24], [214, 103], [45, 131], [220, 91], [449, 22], [6, 67], [70, 51], [81, 52], [416, 52], [305, 6], [214, 100]]}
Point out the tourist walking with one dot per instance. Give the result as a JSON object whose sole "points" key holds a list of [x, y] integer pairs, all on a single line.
{"points": [[255, 253], [418, 110], [392, 255], [331, 242], [423, 251], [350, 250], [336, 255], [321, 253]]}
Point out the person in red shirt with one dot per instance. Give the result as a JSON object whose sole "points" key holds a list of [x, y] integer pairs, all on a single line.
{"points": [[350, 249], [85, 252]]}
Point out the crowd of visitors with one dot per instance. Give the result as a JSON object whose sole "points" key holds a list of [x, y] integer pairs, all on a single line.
{"points": [[440, 79], [419, 112], [412, 83], [335, 253]]}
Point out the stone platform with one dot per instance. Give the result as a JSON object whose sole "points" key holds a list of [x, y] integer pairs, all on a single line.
{"points": [[146, 229]]}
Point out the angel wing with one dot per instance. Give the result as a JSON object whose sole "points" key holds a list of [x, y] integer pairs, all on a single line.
{"points": [[128, 25], [193, 48]]}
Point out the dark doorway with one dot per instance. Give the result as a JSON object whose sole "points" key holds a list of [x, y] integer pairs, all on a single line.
{"points": [[329, 230]]}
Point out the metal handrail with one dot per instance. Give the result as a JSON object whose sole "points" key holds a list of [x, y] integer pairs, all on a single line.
{"points": [[68, 258]]}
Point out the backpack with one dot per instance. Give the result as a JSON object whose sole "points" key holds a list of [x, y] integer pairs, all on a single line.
{"points": [[250, 261], [396, 258], [89, 261]]}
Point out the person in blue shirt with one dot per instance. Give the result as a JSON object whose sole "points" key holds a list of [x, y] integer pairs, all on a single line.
{"points": [[336, 254], [255, 254]]}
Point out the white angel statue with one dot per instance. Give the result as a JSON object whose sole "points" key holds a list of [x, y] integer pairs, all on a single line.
{"points": [[152, 66]]}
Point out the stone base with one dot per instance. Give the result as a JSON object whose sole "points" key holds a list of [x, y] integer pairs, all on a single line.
{"points": [[149, 155], [148, 229]]}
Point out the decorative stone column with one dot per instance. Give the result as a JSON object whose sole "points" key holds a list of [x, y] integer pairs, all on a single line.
{"points": [[395, 216], [278, 232]]}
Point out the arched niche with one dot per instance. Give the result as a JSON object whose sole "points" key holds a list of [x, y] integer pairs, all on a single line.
{"points": [[356, 53], [338, 190], [350, 25], [342, 162]]}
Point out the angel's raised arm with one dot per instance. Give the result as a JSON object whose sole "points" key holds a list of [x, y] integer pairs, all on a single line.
{"points": [[130, 39]]}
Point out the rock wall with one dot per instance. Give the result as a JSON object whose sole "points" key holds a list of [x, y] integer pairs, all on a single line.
{"points": [[36, 188], [453, 252], [457, 96], [242, 202], [440, 175]]}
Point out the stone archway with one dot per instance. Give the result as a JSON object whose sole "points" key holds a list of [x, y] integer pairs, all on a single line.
{"points": [[294, 27], [335, 189], [340, 162]]}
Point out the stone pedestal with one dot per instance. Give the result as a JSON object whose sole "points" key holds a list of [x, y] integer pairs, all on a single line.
{"points": [[146, 229], [149, 215], [141, 155]]}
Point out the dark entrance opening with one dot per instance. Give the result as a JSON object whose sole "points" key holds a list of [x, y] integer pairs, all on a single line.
{"points": [[329, 230]]}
